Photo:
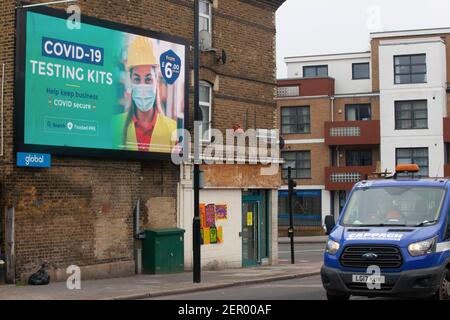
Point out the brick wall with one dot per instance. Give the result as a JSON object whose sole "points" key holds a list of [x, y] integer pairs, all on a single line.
{"points": [[320, 158], [81, 210], [320, 112]]}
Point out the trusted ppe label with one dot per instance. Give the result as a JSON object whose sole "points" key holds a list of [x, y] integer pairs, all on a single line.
{"points": [[375, 236], [170, 66]]}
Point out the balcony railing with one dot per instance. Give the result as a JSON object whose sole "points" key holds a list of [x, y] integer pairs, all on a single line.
{"points": [[352, 132], [288, 91], [343, 178], [305, 87]]}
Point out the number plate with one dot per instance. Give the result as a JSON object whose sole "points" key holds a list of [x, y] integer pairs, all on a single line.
{"points": [[361, 278]]}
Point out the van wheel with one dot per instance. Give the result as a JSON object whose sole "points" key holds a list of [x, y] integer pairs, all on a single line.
{"points": [[444, 290], [338, 296]]}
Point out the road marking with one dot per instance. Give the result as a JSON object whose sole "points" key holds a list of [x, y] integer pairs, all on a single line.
{"points": [[300, 251], [292, 286]]}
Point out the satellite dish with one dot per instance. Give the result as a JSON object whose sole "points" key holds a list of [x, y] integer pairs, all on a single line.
{"points": [[205, 40]]}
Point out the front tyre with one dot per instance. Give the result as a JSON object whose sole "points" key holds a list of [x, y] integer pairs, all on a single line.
{"points": [[444, 289], [338, 296]]}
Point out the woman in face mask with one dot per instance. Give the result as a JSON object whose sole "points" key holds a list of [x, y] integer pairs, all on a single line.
{"points": [[144, 126]]}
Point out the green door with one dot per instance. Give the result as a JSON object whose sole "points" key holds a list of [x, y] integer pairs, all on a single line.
{"points": [[251, 210]]}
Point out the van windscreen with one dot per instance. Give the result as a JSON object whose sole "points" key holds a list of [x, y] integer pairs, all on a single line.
{"points": [[394, 206]]}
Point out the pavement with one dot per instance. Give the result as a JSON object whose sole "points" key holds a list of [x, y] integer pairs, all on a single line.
{"points": [[308, 255], [151, 286], [311, 239]]}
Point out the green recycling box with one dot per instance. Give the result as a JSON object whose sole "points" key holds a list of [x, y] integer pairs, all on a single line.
{"points": [[163, 251]]}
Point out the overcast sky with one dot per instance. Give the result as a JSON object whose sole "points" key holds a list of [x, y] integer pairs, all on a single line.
{"points": [[306, 27]]}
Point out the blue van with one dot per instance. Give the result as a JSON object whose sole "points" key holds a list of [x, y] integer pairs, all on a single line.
{"points": [[391, 239]]}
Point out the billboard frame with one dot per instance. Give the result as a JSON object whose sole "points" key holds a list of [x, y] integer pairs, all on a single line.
{"points": [[19, 88]]}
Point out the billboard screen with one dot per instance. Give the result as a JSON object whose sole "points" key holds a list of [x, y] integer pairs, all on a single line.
{"points": [[101, 90]]}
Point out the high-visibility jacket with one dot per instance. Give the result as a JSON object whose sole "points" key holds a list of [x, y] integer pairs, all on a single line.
{"points": [[161, 140]]}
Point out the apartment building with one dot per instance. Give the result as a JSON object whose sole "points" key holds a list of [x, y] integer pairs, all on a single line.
{"points": [[345, 116]]}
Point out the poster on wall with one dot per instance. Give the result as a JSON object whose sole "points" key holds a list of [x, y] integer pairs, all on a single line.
{"points": [[221, 212], [105, 89], [209, 215]]}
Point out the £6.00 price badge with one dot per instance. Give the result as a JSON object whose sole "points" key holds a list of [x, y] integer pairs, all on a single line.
{"points": [[170, 66]]}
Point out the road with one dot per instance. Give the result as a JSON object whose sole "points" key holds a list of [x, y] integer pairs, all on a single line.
{"points": [[295, 289], [304, 252], [309, 288]]}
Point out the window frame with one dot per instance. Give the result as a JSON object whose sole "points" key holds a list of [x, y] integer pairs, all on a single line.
{"points": [[208, 105], [347, 106], [410, 65], [412, 157], [359, 151], [412, 111], [295, 169], [296, 122], [316, 67], [207, 16], [359, 64]]}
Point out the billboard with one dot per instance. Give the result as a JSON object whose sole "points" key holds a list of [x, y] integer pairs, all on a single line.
{"points": [[104, 89]]}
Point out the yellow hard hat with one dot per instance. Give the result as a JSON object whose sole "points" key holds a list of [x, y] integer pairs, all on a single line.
{"points": [[140, 53]]}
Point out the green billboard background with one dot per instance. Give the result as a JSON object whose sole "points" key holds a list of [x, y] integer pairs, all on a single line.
{"points": [[73, 102]]}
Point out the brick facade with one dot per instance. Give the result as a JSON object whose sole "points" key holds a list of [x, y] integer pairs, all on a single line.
{"points": [[81, 210]]}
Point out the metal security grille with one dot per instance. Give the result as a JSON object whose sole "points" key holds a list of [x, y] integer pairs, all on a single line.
{"points": [[345, 132], [292, 91], [388, 257], [345, 177]]}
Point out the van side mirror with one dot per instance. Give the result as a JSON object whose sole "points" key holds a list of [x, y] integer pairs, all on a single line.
{"points": [[329, 224]]}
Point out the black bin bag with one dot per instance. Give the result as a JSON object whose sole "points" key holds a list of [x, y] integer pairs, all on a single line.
{"points": [[39, 278]]}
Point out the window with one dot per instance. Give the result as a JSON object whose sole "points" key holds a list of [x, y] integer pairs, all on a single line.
{"points": [[205, 106], [315, 71], [306, 208], [357, 112], [410, 69], [417, 156], [300, 163], [411, 115], [361, 71], [295, 120], [205, 16], [358, 158]]}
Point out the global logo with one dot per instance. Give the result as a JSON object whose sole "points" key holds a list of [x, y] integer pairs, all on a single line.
{"points": [[70, 125], [37, 160], [33, 159]]}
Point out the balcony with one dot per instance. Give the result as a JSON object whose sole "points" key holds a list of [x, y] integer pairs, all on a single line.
{"points": [[343, 178], [352, 133], [447, 130], [305, 87]]}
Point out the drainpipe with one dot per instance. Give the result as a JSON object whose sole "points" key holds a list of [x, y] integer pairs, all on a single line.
{"points": [[332, 108], [1, 111], [337, 156]]}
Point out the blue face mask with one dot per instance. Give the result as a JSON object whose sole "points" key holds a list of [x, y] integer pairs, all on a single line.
{"points": [[144, 96]]}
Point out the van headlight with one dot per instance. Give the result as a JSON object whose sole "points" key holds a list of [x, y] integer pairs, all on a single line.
{"points": [[332, 247], [423, 247]]}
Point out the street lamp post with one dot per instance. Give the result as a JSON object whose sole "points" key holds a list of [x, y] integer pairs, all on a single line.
{"points": [[291, 185], [196, 223]]}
